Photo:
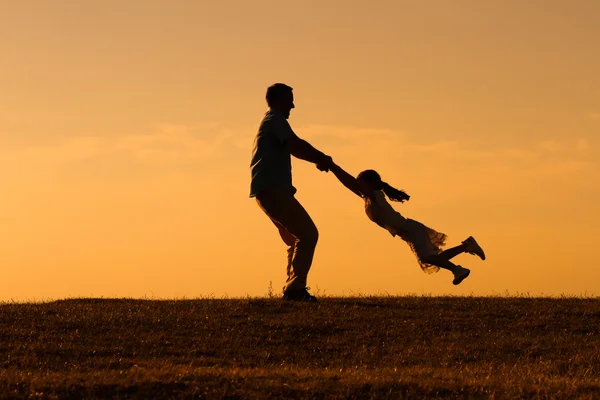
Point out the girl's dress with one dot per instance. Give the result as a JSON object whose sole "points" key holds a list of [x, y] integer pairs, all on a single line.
{"points": [[423, 241]]}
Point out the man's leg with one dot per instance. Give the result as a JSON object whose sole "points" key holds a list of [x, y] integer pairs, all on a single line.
{"points": [[287, 213], [291, 243]]}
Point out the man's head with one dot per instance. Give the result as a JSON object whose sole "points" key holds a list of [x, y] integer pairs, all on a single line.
{"points": [[280, 98]]}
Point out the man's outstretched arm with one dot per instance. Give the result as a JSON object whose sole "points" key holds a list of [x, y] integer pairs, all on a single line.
{"points": [[303, 150]]}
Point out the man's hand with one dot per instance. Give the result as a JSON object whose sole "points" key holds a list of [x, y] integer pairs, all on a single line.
{"points": [[325, 163]]}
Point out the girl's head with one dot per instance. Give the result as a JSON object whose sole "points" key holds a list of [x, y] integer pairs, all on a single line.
{"points": [[373, 179]]}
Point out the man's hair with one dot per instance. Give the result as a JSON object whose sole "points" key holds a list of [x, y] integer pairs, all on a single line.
{"points": [[276, 92]]}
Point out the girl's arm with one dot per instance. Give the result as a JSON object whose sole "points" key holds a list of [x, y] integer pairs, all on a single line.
{"points": [[351, 182]]}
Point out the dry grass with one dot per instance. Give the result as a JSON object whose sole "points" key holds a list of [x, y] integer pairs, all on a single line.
{"points": [[395, 347]]}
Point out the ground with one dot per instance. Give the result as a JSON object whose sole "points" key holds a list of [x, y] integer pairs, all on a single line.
{"points": [[361, 347]]}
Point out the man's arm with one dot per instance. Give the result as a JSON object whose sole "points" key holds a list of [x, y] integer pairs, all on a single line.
{"points": [[303, 150]]}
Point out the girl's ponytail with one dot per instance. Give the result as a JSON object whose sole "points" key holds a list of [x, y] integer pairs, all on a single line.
{"points": [[374, 179], [394, 194]]}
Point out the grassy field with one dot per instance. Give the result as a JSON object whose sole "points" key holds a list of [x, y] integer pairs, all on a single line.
{"points": [[366, 347]]}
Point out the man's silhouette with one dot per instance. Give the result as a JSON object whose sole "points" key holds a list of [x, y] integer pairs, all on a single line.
{"points": [[272, 187]]}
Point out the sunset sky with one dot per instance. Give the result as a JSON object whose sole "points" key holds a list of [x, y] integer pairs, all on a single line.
{"points": [[126, 131]]}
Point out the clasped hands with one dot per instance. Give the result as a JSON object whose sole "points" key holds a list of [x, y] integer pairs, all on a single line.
{"points": [[325, 163]]}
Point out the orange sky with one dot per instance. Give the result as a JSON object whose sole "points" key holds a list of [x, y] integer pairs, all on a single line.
{"points": [[126, 131]]}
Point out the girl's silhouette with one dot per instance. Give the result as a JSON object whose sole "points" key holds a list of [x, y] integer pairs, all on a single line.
{"points": [[424, 242]]}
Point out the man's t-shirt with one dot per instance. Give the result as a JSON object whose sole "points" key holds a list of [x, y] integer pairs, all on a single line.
{"points": [[271, 164]]}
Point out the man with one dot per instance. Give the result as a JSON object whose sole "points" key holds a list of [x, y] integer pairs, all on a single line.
{"points": [[272, 187]]}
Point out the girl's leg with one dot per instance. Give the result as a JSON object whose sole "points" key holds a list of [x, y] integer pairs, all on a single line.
{"points": [[452, 252], [459, 272], [441, 262]]}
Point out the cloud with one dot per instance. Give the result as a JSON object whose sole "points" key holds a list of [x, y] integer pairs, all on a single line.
{"points": [[568, 160], [463, 170], [579, 145], [200, 148], [552, 146], [345, 132], [177, 143], [582, 145], [169, 144]]}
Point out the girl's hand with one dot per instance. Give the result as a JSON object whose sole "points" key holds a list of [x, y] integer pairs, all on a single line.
{"points": [[325, 164]]}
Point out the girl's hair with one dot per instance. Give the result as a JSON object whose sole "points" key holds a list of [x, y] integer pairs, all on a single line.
{"points": [[373, 179]]}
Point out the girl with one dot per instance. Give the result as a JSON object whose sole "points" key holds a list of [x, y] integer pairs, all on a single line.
{"points": [[423, 241]]}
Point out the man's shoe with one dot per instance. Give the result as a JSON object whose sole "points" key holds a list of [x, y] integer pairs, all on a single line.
{"points": [[299, 295], [471, 246], [460, 274]]}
